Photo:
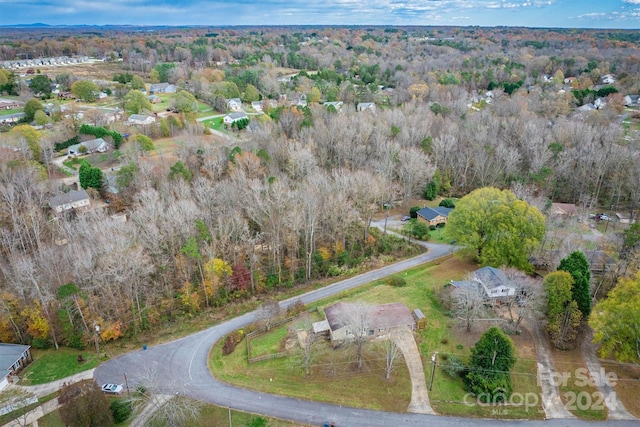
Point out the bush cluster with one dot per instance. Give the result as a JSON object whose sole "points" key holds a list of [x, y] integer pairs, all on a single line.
{"points": [[396, 281], [231, 342]]}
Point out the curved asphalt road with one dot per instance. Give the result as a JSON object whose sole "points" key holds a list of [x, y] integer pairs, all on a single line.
{"points": [[181, 367]]}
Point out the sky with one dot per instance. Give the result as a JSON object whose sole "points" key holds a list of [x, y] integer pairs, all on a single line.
{"points": [[527, 13]]}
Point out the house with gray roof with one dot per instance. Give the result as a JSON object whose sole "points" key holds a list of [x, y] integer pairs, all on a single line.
{"points": [[97, 145], [434, 216], [234, 117], [492, 281], [234, 104], [162, 88], [140, 119], [74, 199], [366, 106], [13, 358]]}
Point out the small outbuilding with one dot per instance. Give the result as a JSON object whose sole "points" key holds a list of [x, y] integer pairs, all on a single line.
{"points": [[421, 321]]}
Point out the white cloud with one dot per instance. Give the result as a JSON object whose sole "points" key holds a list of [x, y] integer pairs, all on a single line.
{"points": [[631, 1]]}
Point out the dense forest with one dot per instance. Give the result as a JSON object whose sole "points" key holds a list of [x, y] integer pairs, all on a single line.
{"points": [[291, 198]]}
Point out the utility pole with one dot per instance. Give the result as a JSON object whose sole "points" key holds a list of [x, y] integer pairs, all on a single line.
{"points": [[434, 361], [229, 408], [127, 384], [97, 340]]}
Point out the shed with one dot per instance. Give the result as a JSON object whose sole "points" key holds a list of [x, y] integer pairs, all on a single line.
{"points": [[421, 321]]}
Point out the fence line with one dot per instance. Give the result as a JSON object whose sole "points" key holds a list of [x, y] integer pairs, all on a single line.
{"points": [[264, 329]]}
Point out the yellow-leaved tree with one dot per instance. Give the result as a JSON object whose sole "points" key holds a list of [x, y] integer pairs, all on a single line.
{"points": [[216, 274], [616, 321]]}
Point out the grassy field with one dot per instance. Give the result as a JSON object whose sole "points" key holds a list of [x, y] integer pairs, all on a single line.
{"points": [[50, 365]]}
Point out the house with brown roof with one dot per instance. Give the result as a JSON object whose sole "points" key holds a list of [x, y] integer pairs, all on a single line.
{"points": [[9, 105], [379, 319]]}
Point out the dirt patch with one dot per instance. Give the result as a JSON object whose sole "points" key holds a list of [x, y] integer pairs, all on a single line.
{"points": [[524, 344], [574, 380], [95, 70], [627, 385], [455, 267]]}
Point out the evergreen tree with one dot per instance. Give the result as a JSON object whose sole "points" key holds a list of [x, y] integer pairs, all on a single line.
{"points": [[90, 176], [577, 265], [489, 375]]}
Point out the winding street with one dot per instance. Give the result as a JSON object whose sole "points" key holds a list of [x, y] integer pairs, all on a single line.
{"points": [[181, 367]]}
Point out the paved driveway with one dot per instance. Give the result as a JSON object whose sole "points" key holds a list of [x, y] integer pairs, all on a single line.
{"points": [[404, 339]]}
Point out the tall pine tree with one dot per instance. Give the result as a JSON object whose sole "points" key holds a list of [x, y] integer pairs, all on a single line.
{"points": [[577, 265]]}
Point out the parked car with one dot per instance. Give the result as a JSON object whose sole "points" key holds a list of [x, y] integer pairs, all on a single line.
{"points": [[603, 217], [111, 388], [405, 218]]}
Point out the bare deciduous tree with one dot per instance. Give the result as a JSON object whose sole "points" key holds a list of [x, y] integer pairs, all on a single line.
{"points": [[355, 319], [307, 339], [528, 299], [468, 303], [268, 313], [391, 351]]}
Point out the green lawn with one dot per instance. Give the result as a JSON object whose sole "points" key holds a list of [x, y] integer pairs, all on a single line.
{"points": [[49, 365], [11, 111], [73, 163], [4, 419], [100, 160], [269, 343], [215, 124]]}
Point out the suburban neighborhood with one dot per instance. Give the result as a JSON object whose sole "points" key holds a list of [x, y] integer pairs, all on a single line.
{"points": [[322, 225]]}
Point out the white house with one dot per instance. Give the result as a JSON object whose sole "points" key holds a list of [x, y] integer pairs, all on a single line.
{"points": [[608, 79], [234, 104], [140, 119], [71, 200], [366, 106], [234, 117], [257, 106], [631, 100], [492, 280], [162, 88], [97, 145]]}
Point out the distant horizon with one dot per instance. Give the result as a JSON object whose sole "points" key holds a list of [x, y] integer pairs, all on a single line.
{"points": [[578, 14], [45, 25]]}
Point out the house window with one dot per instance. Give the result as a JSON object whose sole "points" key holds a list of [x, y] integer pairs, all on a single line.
{"points": [[494, 291]]}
